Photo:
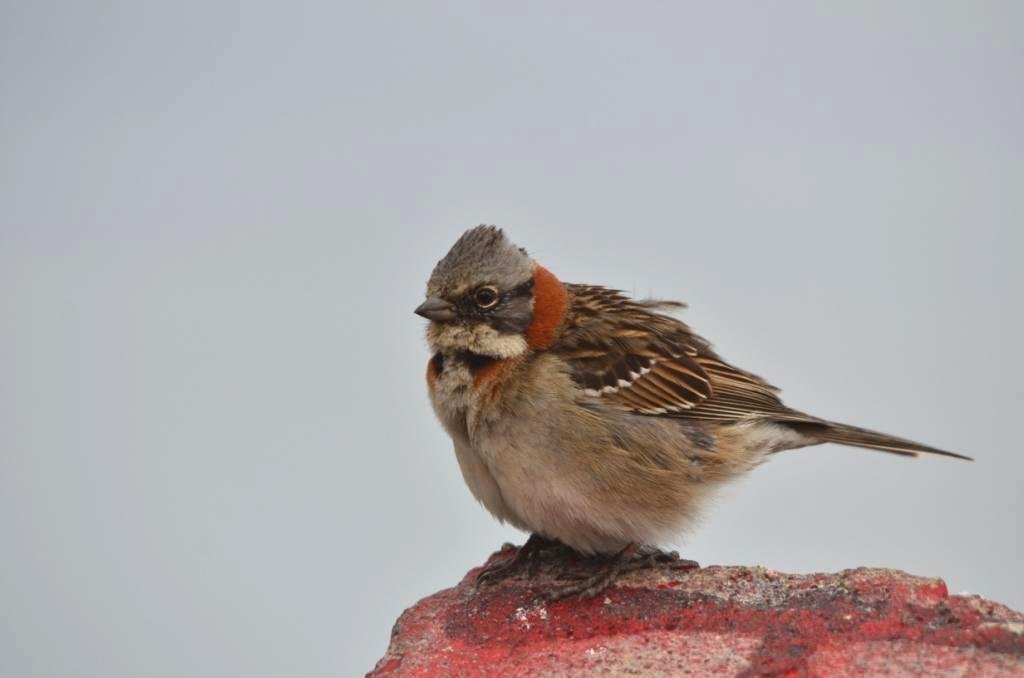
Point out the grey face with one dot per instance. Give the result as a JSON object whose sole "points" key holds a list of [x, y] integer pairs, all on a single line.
{"points": [[484, 279]]}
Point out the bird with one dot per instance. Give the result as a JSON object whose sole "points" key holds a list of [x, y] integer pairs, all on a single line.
{"points": [[592, 420]]}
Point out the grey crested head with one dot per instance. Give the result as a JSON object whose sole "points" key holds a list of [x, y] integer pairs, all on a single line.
{"points": [[481, 255], [483, 287]]}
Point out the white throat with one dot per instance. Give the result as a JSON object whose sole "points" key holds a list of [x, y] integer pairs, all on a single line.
{"points": [[480, 338]]}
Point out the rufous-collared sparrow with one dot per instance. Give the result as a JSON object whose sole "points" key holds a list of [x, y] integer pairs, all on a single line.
{"points": [[589, 418]]}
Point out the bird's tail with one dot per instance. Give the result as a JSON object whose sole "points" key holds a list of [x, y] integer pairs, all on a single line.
{"points": [[844, 434]]}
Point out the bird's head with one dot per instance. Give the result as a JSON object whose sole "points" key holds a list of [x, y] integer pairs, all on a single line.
{"points": [[488, 297]]}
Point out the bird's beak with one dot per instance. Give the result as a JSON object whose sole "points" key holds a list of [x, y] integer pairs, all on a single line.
{"points": [[436, 308]]}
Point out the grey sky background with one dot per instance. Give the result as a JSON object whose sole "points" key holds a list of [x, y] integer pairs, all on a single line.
{"points": [[216, 453]]}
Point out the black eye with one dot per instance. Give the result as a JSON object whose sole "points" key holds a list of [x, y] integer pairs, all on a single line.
{"points": [[485, 297]]}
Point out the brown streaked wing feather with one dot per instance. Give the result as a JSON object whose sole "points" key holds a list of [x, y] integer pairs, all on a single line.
{"points": [[630, 354]]}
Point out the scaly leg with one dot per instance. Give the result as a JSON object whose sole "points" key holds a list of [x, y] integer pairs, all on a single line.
{"points": [[629, 559], [527, 553]]}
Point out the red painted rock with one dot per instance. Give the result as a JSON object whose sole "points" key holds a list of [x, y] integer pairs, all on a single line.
{"points": [[710, 621]]}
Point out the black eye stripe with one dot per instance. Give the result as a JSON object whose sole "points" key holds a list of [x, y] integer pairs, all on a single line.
{"points": [[522, 289], [469, 307]]}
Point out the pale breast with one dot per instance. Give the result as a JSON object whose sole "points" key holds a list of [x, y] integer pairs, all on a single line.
{"points": [[451, 393]]}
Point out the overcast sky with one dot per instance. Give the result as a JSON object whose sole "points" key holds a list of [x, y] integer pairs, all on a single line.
{"points": [[217, 457]]}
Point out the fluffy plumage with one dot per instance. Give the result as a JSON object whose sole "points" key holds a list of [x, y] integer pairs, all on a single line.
{"points": [[588, 417]]}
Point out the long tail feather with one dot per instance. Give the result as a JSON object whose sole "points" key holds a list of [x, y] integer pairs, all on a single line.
{"points": [[844, 434]]}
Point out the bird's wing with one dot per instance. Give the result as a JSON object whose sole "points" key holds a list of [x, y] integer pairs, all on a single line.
{"points": [[629, 354]]}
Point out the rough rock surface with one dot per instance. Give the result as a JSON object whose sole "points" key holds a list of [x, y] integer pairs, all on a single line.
{"points": [[711, 621]]}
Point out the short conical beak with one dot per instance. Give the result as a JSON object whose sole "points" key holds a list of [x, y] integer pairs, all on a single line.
{"points": [[436, 308]]}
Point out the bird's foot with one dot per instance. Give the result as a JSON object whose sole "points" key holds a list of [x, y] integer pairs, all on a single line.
{"points": [[632, 558], [528, 555]]}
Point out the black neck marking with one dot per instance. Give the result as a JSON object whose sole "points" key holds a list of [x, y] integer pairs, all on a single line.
{"points": [[476, 361], [438, 362]]}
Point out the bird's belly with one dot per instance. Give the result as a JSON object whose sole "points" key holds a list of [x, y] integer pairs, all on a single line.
{"points": [[556, 499], [511, 470], [593, 482], [482, 484]]}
